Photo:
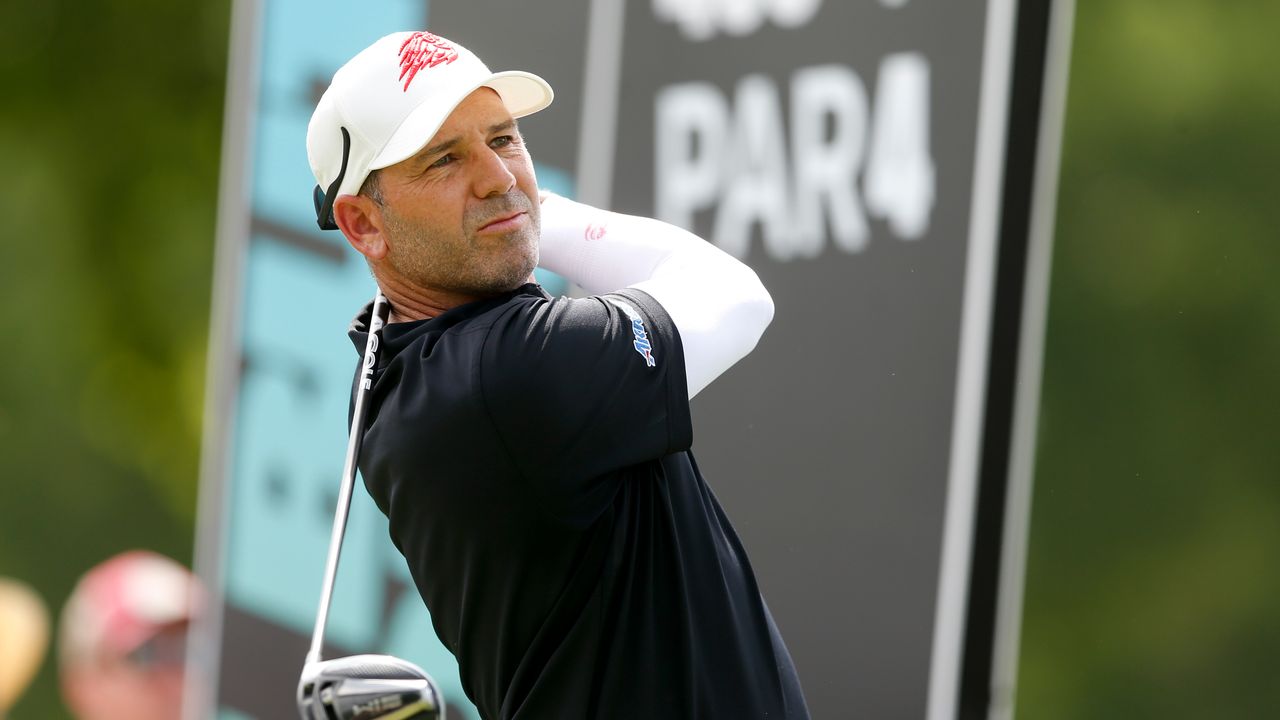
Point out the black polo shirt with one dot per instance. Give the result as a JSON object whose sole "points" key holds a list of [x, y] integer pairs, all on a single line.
{"points": [[532, 455]]}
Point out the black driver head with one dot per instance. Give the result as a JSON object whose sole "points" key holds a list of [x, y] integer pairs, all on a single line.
{"points": [[368, 687]]}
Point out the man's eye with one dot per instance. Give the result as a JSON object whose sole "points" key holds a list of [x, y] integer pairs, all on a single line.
{"points": [[502, 141], [444, 160]]}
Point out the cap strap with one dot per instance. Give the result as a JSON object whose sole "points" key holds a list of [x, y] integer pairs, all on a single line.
{"points": [[324, 200]]}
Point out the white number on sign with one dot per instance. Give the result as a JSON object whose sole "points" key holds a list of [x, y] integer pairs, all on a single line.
{"points": [[703, 19], [735, 159], [900, 175]]}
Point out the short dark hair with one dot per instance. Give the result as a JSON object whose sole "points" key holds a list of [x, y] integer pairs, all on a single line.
{"points": [[372, 187]]}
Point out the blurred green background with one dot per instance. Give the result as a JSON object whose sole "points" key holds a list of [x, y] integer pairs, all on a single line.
{"points": [[110, 126], [1151, 579]]}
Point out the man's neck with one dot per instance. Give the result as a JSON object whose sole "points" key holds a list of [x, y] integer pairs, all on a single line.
{"points": [[411, 302], [414, 303]]}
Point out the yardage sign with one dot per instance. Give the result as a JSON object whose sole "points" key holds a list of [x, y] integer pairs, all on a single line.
{"points": [[859, 155]]}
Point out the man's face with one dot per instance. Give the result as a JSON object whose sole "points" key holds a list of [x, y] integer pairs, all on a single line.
{"points": [[463, 214]]}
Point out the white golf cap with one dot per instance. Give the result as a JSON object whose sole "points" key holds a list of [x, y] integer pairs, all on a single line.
{"points": [[393, 97]]}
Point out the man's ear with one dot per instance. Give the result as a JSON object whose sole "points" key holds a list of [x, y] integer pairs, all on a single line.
{"points": [[360, 220]]}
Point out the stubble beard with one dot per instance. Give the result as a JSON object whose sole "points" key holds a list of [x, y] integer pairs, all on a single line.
{"points": [[458, 261]]}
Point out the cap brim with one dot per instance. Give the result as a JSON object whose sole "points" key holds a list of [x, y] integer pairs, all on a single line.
{"points": [[523, 93]]}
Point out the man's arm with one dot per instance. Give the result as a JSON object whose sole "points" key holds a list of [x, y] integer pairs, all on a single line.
{"points": [[717, 303]]}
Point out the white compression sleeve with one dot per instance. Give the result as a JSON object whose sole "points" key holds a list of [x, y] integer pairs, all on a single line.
{"points": [[717, 303]]}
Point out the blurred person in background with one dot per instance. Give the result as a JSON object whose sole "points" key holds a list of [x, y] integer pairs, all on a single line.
{"points": [[24, 637], [122, 638]]}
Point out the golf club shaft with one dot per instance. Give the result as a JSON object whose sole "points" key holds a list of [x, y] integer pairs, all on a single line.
{"points": [[376, 320]]}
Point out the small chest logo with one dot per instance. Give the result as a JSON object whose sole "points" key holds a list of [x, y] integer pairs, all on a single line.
{"points": [[423, 50]]}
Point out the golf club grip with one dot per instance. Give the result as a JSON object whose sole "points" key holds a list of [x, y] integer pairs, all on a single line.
{"points": [[377, 319]]}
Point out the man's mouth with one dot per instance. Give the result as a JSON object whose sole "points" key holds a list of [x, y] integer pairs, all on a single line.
{"points": [[505, 222]]}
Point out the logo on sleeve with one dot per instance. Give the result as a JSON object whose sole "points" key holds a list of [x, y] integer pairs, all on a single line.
{"points": [[640, 337]]}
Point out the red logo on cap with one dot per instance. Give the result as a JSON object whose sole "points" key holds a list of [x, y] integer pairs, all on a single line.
{"points": [[423, 50]]}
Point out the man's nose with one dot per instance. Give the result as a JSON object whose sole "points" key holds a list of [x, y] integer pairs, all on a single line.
{"points": [[493, 177]]}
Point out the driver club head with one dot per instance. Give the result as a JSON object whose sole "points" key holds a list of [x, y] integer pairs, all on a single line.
{"points": [[368, 687]]}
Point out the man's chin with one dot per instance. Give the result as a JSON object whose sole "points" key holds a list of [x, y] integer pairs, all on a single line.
{"points": [[521, 269], [506, 282], [521, 281]]}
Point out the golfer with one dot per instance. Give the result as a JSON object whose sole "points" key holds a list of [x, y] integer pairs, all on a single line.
{"points": [[533, 453]]}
